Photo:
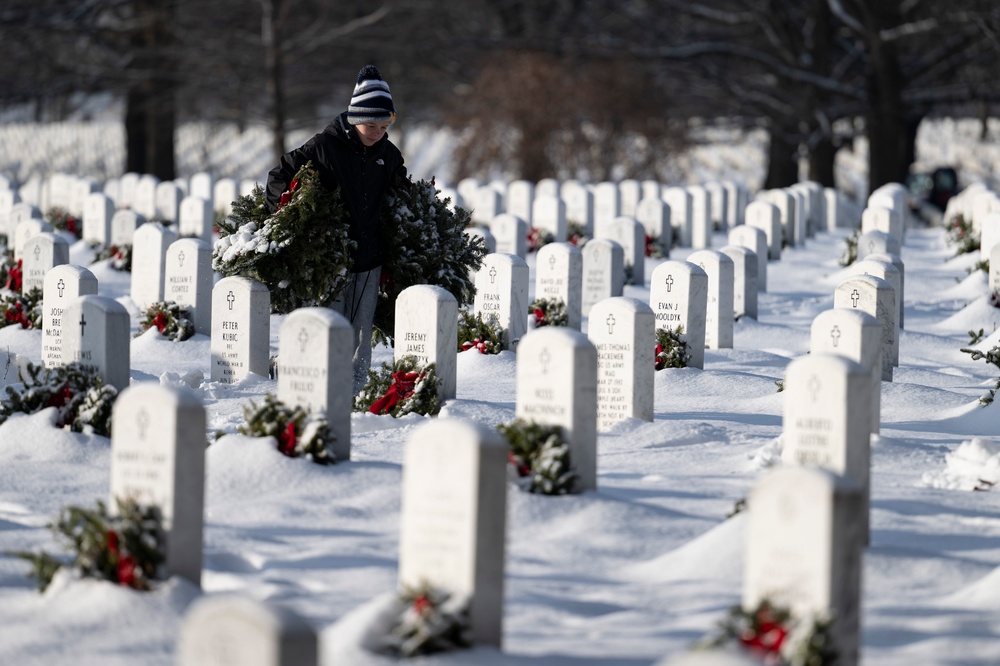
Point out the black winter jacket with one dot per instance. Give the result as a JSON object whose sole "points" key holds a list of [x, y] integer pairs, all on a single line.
{"points": [[363, 174]]}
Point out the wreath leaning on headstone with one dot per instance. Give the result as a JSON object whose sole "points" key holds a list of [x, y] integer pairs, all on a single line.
{"points": [[540, 456], [297, 431], [485, 335], [82, 399], [22, 309], [125, 548], [405, 387], [775, 636], [301, 253], [425, 243], [671, 348], [429, 620], [169, 318], [120, 256], [548, 312]]}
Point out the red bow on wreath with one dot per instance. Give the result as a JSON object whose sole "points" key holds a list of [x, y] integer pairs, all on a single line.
{"points": [[14, 277], [286, 196], [15, 314], [160, 322], [403, 386], [539, 317], [286, 440], [768, 637]]}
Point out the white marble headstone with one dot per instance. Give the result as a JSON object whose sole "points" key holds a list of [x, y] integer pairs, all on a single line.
{"points": [[149, 251], [607, 205], [502, 291], [755, 240], [427, 329], [98, 209], [24, 230], [486, 205], [803, 549], [124, 224], [96, 334], [241, 329], [877, 242], [678, 295], [42, 252], [631, 236], [549, 215], [559, 275], [188, 280], [679, 200], [202, 185], [158, 458], [230, 630], [579, 205], [744, 280], [857, 336], [623, 331], [62, 285], [603, 272], [168, 201], [885, 270], [315, 363], [196, 218], [520, 198], [719, 308], [557, 385], [144, 202], [701, 217], [877, 298], [223, 195], [653, 214], [453, 518], [765, 216], [511, 233]]}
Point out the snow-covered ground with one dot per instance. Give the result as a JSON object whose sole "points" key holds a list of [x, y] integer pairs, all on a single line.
{"points": [[628, 574]]}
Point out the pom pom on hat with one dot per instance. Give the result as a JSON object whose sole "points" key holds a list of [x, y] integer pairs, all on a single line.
{"points": [[372, 101]]}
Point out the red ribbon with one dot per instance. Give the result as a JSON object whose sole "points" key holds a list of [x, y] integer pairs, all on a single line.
{"points": [[14, 277], [286, 196], [402, 387], [421, 604], [126, 571], [160, 321], [523, 468], [769, 635], [15, 314], [539, 317], [286, 441]]}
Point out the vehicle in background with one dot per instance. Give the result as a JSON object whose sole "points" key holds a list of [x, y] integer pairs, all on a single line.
{"points": [[930, 192]]}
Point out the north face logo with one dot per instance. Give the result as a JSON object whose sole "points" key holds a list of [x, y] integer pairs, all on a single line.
{"points": [[380, 162]]}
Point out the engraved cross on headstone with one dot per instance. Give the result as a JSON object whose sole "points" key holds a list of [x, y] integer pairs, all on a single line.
{"points": [[855, 297], [142, 422], [544, 358], [60, 286], [670, 283], [835, 334], [814, 386], [180, 258], [611, 323], [231, 298], [552, 262], [83, 324], [38, 252], [493, 274], [303, 339]]}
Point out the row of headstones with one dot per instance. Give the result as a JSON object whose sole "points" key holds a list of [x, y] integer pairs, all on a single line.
{"points": [[678, 216], [980, 205]]}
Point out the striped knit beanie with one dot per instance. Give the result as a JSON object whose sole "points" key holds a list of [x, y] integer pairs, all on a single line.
{"points": [[372, 101]]}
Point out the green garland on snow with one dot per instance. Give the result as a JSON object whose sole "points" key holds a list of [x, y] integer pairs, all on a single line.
{"points": [[671, 348], [405, 387], [540, 455], [301, 253], [84, 402], [169, 318], [297, 431], [430, 620], [486, 335], [23, 309], [425, 243]]}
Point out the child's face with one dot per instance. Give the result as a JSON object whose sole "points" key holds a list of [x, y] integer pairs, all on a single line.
{"points": [[369, 133]]}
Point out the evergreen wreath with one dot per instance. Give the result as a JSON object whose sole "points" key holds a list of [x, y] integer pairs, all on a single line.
{"points": [[486, 335], [425, 243], [654, 249], [539, 238], [23, 309], [540, 456], [169, 318], [126, 548], [297, 431], [78, 393], [851, 251], [548, 312], [962, 235], [671, 348], [301, 253], [120, 256], [577, 233], [405, 387], [62, 220], [431, 620], [775, 636]]}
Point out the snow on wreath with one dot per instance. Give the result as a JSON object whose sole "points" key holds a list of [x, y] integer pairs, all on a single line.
{"points": [[301, 253]]}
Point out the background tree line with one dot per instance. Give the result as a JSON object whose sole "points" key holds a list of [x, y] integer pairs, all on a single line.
{"points": [[543, 87]]}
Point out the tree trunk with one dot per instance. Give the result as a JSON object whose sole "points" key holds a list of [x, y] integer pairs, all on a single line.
{"points": [[782, 161], [271, 38], [821, 160], [886, 129], [136, 127]]}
